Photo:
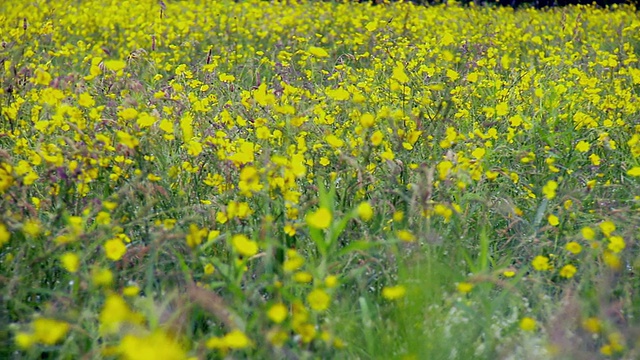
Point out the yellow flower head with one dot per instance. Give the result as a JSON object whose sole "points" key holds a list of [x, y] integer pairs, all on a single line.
{"points": [[115, 249], [293, 261], [394, 292], [5, 235], [115, 312], [568, 271], [320, 219], [70, 261], [318, 300], [541, 263], [607, 227], [465, 287], [234, 340], [277, 313], [243, 246], [365, 211], [49, 331], [592, 325], [157, 345], [549, 190], [527, 324], [573, 247], [318, 52], [405, 235]]}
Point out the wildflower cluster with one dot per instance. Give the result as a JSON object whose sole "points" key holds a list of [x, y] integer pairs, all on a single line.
{"points": [[270, 179]]}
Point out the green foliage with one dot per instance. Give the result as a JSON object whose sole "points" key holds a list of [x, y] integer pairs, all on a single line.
{"points": [[318, 180]]}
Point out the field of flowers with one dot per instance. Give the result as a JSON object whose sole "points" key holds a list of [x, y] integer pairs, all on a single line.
{"points": [[212, 179]]}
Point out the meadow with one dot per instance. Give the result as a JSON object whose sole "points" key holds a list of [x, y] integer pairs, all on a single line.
{"points": [[218, 179]]}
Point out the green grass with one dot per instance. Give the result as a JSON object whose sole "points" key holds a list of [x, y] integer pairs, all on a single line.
{"points": [[318, 180]]}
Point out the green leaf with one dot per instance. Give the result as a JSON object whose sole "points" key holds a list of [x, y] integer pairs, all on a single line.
{"points": [[317, 236], [338, 228], [360, 245]]}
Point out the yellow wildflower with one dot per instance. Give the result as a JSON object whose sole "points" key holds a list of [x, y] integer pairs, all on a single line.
{"points": [[115, 249], [5, 235], [465, 287], [541, 263], [157, 345], [405, 235], [244, 246], [318, 300], [319, 219], [527, 324], [49, 331], [573, 247], [70, 261], [318, 52], [394, 292], [568, 271], [365, 211], [277, 313]]}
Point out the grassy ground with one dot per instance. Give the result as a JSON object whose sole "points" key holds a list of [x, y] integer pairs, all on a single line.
{"points": [[268, 180]]}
